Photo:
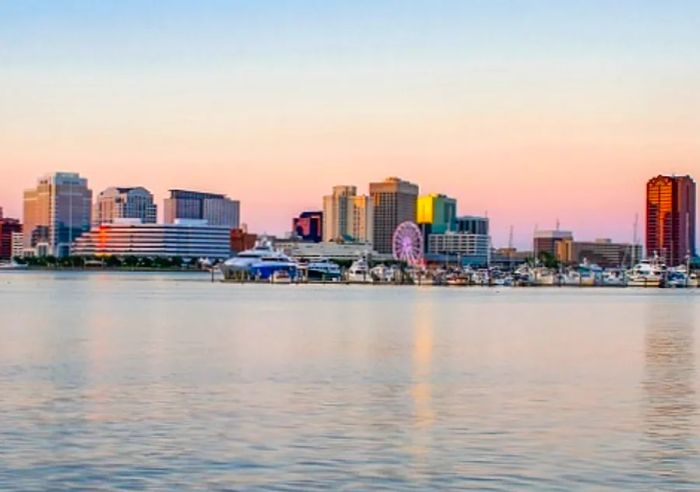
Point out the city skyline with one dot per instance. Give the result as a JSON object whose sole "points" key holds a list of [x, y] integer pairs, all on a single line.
{"points": [[533, 114]]}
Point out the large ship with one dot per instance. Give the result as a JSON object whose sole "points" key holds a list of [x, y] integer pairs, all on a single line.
{"points": [[262, 262]]}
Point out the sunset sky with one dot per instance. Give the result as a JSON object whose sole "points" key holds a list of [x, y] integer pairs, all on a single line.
{"points": [[531, 111]]}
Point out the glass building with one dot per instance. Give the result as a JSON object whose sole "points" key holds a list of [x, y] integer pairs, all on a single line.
{"points": [[216, 209], [124, 203], [670, 218], [56, 213]]}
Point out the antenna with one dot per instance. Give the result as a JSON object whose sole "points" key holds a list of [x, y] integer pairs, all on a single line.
{"points": [[557, 228], [635, 236]]}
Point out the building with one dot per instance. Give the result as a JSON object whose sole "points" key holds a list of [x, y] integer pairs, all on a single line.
{"points": [[8, 228], [335, 213], [467, 248], [436, 214], [241, 240], [129, 237], [360, 220], [347, 216], [509, 257], [394, 202], [670, 218], [17, 242], [546, 241], [329, 250], [472, 224], [56, 212], [124, 203], [216, 209], [602, 252], [309, 226]]}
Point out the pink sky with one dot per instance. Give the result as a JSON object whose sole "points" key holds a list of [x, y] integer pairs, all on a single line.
{"points": [[566, 121]]}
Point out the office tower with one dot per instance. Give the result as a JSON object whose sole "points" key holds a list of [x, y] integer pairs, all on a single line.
{"points": [[671, 218], [394, 202], [547, 241], [216, 209], [56, 212], [309, 226], [124, 203], [335, 213], [8, 228], [436, 213]]}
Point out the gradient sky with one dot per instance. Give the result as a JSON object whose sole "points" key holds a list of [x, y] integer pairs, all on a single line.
{"points": [[531, 110]]}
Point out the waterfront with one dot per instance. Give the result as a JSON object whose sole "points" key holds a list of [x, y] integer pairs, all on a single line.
{"points": [[167, 381]]}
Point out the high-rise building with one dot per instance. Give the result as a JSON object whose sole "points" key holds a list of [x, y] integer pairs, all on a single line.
{"points": [[546, 241], [124, 203], [360, 222], [671, 217], [56, 213], [335, 212], [216, 209], [309, 226], [8, 227], [394, 202], [436, 214]]}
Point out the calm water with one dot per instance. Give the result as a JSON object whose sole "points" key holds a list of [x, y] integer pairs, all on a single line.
{"points": [[169, 382]]}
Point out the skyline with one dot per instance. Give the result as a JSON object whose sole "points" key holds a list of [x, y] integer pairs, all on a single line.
{"points": [[532, 112]]}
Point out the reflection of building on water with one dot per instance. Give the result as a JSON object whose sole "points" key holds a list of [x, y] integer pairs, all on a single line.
{"points": [[422, 366], [670, 397]]}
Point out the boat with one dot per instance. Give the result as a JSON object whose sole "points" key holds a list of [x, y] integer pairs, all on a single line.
{"points": [[359, 273], [323, 270], [614, 278], [258, 263], [280, 277], [13, 265], [679, 277], [647, 273], [383, 274]]}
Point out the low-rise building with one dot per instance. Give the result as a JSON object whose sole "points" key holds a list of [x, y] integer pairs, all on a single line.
{"points": [[545, 241], [8, 227], [330, 250], [469, 249], [186, 239], [242, 240], [602, 252]]}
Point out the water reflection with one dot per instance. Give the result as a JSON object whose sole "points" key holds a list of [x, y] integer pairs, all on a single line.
{"points": [[670, 401]]}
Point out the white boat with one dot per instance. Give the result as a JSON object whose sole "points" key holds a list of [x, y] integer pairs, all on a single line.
{"points": [[383, 274], [13, 265], [359, 273], [614, 278], [280, 277], [258, 263], [647, 273], [679, 277]]}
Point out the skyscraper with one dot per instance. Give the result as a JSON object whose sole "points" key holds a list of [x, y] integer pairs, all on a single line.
{"points": [[216, 209], [56, 212], [335, 212], [124, 203], [361, 219], [394, 202], [671, 218]]}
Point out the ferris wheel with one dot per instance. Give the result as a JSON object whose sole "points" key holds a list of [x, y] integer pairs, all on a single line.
{"points": [[408, 243]]}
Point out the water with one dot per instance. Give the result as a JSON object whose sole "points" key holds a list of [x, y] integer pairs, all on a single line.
{"points": [[169, 382]]}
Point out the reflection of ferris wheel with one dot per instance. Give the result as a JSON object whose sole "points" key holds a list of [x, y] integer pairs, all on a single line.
{"points": [[408, 243]]}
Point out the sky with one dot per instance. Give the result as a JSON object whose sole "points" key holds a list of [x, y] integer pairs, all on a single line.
{"points": [[530, 111]]}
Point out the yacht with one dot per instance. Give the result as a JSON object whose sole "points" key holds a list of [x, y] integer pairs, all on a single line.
{"points": [[647, 273], [359, 273], [258, 263], [679, 277], [323, 269], [614, 277]]}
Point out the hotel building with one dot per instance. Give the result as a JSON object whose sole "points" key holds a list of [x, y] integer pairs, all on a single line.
{"points": [[56, 212], [394, 202], [470, 243], [670, 218], [216, 209], [347, 216], [124, 203], [602, 252], [129, 237]]}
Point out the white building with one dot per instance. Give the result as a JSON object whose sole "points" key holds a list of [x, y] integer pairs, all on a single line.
{"points": [[186, 239], [17, 244], [347, 216], [470, 248]]}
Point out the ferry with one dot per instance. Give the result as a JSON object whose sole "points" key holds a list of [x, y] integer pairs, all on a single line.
{"points": [[259, 263]]}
